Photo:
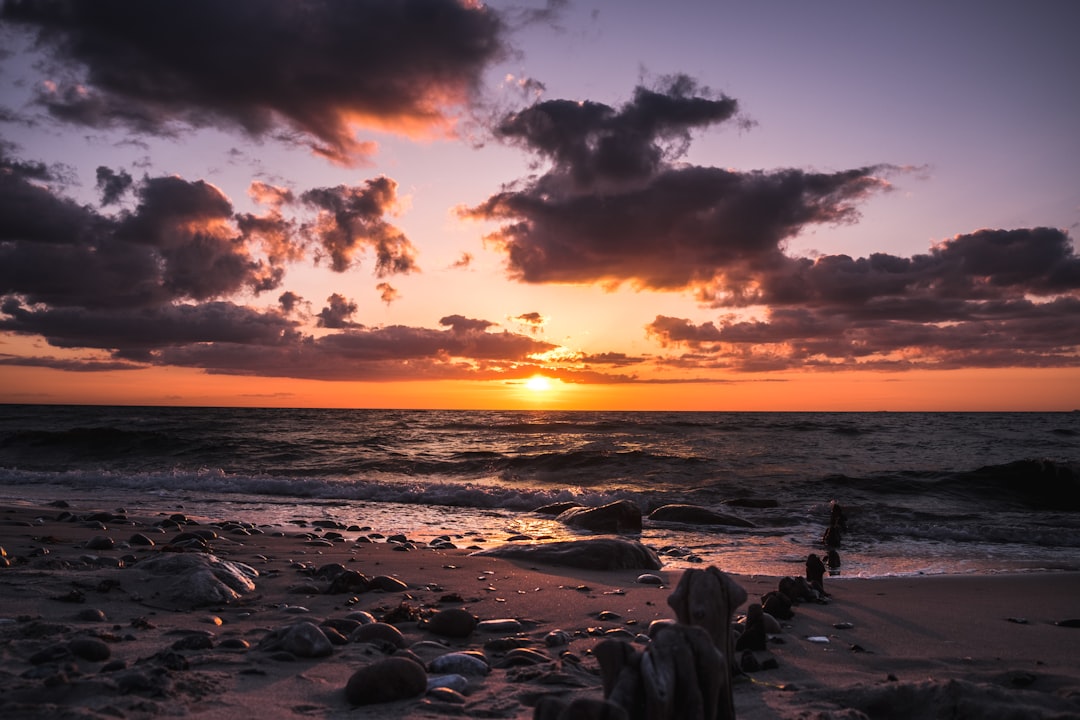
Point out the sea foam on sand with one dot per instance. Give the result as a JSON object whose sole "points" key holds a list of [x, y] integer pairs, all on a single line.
{"points": [[85, 634]]}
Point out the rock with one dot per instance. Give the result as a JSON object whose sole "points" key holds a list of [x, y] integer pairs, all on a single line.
{"points": [[377, 633], [452, 622], [189, 580], [500, 625], [707, 599], [615, 517], [349, 581], [680, 674], [387, 584], [100, 542], [91, 615], [649, 579], [815, 573], [754, 637], [458, 683], [556, 638], [89, 648], [446, 695], [460, 663], [386, 680], [141, 539], [696, 515], [588, 553], [303, 639]]}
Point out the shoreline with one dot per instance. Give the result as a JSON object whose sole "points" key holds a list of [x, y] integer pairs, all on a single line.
{"points": [[990, 643]]}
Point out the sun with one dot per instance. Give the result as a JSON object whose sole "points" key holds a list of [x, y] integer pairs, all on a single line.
{"points": [[538, 384]]}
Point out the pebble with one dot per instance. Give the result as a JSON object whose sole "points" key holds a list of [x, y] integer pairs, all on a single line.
{"points": [[91, 615], [650, 579], [451, 681], [100, 542], [501, 625], [556, 638], [386, 680], [446, 695], [141, 539], [387, 584], [460, 663], [452, 622], [378, 633], [91, 649], [306, 640]]}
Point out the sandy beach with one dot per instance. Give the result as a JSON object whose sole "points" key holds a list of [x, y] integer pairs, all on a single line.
{"points": [[89, 630]]}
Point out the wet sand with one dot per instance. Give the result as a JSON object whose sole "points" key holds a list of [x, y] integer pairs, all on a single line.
{"points": [[85, 633]]}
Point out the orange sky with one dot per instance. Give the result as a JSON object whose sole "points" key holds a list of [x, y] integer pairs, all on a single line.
{"points": [[967, 390]]}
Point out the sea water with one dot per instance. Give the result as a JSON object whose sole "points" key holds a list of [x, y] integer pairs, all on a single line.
{"points": [[923, 492]]}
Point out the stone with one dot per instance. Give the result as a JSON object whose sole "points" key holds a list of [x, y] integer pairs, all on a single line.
{"points": [[460, 663], [602, 553], [100, 542], [386, 680], [380, 634], [615, 517], [193, 579], [303, 639], [452, 622]]}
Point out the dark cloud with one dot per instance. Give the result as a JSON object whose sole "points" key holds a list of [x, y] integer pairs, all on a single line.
{"points": [[183, 240], [338, 313], [685, 227], [70, 364], [112, 184], [594, 143], [534, 320], [989, 298], [320, 68], [462, 325], [351, 219], [289, 301], [613, 207], [131, 333]]}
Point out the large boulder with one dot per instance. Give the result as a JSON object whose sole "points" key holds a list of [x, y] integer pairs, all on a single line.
{"points": [[601, 553], [696, 515], [615, 517]]}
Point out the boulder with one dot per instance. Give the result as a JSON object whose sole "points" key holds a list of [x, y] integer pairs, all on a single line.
{"points": [[602, 553], [615, 517]]}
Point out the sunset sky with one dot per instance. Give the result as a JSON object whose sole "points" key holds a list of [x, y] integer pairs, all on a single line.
{"points": [[612, 205]]}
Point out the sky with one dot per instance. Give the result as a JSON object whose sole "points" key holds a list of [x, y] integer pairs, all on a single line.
{"points": [[686, 205]]}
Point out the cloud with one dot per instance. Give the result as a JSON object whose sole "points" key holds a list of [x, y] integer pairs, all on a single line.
{"points": [[351, 219], [593, 143], [462, 262], [387, 292], [338, 314], [183, 240], [112, 184], [991, 298], [615, 208], [315, 70]]}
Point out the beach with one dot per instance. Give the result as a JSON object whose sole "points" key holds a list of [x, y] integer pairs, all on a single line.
{"points": [[86, 631]]}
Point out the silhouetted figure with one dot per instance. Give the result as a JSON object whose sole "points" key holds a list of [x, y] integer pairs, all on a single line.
{"points": [[831, 538]]}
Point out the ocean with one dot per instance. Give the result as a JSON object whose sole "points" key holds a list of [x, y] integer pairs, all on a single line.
{"points": [[924, 493]]}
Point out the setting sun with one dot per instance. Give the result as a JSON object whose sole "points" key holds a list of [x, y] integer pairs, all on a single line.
{"points": [[538, 384]]}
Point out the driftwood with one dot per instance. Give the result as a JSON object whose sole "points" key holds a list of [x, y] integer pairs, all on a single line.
{"points": [[679, 675], [708, 598]]}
